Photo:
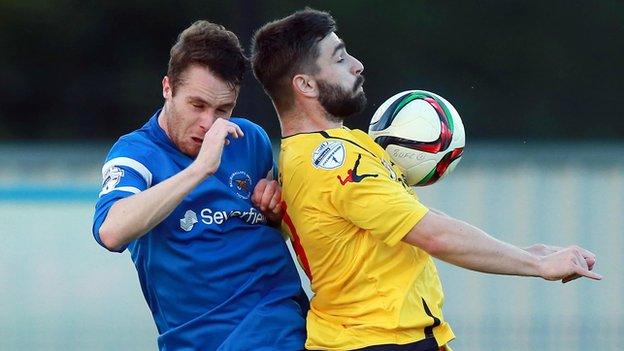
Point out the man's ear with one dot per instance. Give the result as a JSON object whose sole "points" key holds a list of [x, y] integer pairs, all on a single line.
{"points": [[305, 85], [167, 90]]}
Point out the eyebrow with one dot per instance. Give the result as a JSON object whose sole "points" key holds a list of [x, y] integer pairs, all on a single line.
{"points": [[196, 99], [338, 48], [199, 99]]}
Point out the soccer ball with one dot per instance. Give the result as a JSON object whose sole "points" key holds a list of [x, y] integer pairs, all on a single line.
{"points": [[422, 133]]}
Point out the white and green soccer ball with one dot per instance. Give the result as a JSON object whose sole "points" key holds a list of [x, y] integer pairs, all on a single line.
{"points": [[423, 134]]}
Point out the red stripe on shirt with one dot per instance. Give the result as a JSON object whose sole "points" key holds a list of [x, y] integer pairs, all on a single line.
{"points": [[297, 243]]}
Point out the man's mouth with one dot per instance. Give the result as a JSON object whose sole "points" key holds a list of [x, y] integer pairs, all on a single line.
{"points": [[197, 140], [359, 83]]}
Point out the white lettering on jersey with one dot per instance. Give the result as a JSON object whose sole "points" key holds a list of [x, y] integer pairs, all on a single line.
{"points": [[208, 216]]}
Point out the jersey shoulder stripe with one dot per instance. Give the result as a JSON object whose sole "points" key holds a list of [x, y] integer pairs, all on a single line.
{"points": [[131, 163]]}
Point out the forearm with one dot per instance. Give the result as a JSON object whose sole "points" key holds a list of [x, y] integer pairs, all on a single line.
{"points": [[469, 247], [132, 217], [464, 245]]}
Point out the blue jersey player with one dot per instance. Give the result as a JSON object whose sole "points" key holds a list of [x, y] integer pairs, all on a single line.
{"points": [[190, 196]]}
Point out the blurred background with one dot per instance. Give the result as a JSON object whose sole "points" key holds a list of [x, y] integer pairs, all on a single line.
{"points": [[538, 85]]}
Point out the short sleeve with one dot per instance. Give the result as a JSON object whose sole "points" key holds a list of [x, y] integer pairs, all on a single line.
{"points": [[122, 176], [370, 194]]}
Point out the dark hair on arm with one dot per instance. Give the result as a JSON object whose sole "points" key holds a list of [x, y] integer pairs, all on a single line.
{"points": [[286, 47], [208, 45]]}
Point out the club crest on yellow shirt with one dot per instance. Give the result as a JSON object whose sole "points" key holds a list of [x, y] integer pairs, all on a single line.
{"points": [[329, 155]]}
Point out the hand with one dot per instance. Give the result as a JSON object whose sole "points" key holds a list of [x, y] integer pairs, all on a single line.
{"points": [[209, 157], [568, 264], [267, 196], [541, 250]]}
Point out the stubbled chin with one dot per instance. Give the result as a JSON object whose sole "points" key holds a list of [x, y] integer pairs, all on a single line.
{"points": [[190, 149], [193, 152]]}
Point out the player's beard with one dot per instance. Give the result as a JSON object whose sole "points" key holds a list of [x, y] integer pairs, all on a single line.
{"points": [[340, 103]]}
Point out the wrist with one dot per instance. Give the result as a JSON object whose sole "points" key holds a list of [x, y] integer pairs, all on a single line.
{"points": [[538, 266], [196, 171]]}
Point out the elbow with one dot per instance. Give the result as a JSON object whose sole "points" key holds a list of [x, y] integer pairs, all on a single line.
{"points": [[436, 245], [430, 238], [432, 235], [109, 240]]}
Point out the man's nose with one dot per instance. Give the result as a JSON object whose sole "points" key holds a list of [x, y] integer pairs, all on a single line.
{"points": [[206, 119], [358, 67]]}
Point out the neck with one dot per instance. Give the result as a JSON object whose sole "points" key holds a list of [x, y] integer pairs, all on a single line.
{"points": [[306, 118]]}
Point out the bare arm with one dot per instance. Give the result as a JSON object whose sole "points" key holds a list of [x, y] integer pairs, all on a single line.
{"points": [[464, 245], [132, 217]]}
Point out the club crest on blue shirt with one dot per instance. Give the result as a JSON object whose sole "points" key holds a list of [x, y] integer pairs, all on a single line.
{"points": [[240, 181], [111, 178]]}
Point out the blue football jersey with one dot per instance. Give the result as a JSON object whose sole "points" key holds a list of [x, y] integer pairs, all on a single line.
{"points": [[214, 274]]}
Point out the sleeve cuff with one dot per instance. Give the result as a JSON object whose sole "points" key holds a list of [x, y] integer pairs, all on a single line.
{"points": [[401, 231]]}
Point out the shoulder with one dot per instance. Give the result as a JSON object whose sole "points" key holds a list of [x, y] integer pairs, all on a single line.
{"points": [[326, 150], [328, 155], [313, 156], [135, 151], [135, 145]]}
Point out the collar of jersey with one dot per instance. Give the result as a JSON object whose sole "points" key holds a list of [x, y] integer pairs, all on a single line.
{"points": [[340, 131]]}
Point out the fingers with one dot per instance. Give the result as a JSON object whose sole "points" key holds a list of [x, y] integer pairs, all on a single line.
{"points": [[221, 128], [569, 264], [581, 260], [234, 130], [267, 195], [208, 158], [589, 274], [589, 257], [275, 200], [590, 263], [278, 209], [258, 192], [570, 278]]}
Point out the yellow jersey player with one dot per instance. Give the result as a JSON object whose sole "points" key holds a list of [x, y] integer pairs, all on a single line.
{"points": [[360, 233]]}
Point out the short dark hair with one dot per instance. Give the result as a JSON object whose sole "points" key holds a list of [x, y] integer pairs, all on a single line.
{"points": [[208, 45], [286, 47]]}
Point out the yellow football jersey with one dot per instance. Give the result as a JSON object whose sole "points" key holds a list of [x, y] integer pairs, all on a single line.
{"points": [[347, 209]]}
